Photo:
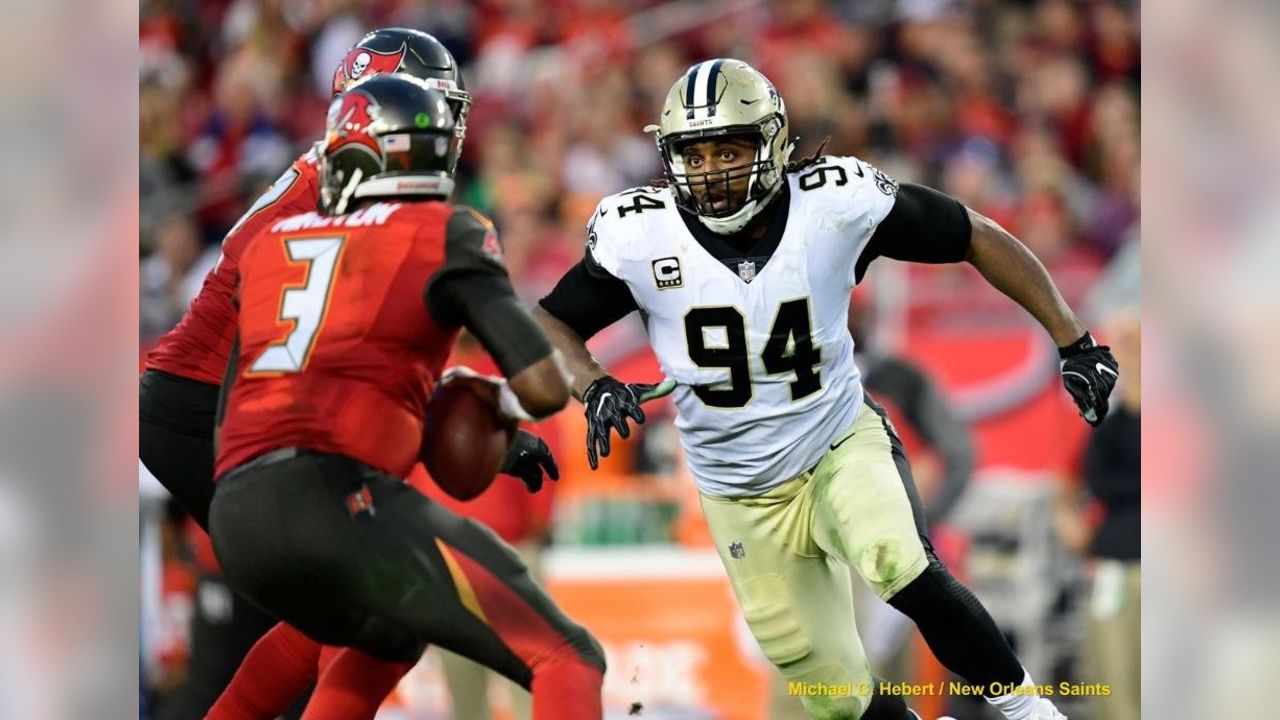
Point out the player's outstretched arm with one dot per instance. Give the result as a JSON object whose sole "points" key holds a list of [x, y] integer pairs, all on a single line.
{"points": [[542, 388], [610, 404], [582, 366], [585, 301], [924, 225], [1089, 371], [1014, 270]]}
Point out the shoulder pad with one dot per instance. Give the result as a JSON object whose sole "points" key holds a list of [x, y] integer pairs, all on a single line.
{"points": [[874, 175], [842, 170], [848, 186], [619, 218]]}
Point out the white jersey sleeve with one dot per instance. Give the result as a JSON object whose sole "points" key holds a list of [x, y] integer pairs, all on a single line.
{"points": [[605, 254], [853, 194], [619, 231]]}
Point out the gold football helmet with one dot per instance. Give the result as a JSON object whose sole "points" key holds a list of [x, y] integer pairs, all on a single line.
{"points": [[718, 98]]}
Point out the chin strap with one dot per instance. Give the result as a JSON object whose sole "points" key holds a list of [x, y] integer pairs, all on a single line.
{"points": [[742, 218]]}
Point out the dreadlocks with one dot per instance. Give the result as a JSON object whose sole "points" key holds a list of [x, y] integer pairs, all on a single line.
{"points": [[804, 162]]}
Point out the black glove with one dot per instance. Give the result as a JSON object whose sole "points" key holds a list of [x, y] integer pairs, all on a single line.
{"points": [[527, 458], [608, 405], [1089, 372]]}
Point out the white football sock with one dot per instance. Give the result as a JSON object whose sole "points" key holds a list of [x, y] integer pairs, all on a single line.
{"points": [[1017, 706]]}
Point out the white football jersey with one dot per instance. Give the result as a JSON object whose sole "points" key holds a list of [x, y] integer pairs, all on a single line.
{"points": [[762, 356]]}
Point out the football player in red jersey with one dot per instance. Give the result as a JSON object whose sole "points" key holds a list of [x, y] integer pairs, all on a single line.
{"points": [[183, 371], [179, 387], [346, 319]]}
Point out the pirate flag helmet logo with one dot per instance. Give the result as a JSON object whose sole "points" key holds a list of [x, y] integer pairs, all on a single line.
{"points": [[351, 122], [362, 62], [405, 51]]}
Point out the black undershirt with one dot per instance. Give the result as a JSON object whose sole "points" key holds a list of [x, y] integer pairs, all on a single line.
{"points": [[740, 247], [923, 226]]}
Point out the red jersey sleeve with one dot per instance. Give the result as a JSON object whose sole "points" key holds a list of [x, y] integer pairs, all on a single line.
{"points": [[199, 346]]}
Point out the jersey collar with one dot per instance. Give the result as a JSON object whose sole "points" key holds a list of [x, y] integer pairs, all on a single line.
{"points": [[759, 253]]}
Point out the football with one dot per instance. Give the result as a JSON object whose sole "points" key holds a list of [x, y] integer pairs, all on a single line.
{"points": [[463, 439]]}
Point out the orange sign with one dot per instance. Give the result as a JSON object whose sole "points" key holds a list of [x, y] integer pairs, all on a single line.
{"points": [[670, 627]]}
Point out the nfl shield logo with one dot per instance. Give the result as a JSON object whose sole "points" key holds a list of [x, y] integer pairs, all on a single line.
{"points": [[747, 270], [736, 551]]}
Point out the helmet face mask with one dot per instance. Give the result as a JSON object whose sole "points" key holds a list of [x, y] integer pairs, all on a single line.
{"points": [[724, 192], [718, 100], [387, 136]]}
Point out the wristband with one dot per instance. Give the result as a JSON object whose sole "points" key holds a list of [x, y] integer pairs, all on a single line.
{"points": [[1084, 343], [509, 405]]}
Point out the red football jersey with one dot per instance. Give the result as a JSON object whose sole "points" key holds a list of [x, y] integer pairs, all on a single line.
{"points": [[339, 351], [199, 346]]}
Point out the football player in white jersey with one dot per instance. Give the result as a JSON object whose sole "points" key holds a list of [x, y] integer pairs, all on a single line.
{"points": [[741, 267]]}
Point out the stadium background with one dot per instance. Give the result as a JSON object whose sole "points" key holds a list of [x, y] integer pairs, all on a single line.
{"points": [[1026, 111]]}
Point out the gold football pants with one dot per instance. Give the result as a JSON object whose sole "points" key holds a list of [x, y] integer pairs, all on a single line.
{"points": [[788, 551]]}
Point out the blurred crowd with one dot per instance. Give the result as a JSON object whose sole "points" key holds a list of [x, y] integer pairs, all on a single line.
{"points": [[1026, 110]]}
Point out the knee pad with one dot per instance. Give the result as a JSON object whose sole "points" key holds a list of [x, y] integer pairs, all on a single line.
{"points": [[890, 565], [771, 614]]}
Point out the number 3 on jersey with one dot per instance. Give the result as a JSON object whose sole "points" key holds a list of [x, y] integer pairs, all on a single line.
{"points": [[305, 306], [789, 349]]}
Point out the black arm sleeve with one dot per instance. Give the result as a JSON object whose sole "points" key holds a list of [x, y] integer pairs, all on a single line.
{"points": [[472, 290], [924, 226], [588, 299]]}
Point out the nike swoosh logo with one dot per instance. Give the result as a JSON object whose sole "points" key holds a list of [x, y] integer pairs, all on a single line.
{"points": [[845, 440], [1104, 369], [600, 404], [603, 211], [749, 102]]}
